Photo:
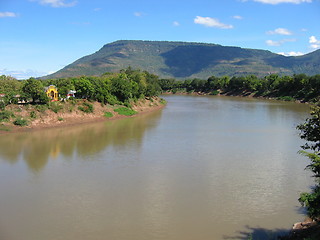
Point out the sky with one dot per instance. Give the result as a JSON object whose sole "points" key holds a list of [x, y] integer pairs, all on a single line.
{"points": [[39, 37]]}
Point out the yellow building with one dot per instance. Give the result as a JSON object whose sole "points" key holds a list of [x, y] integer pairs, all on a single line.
{"points": [[52, 93]]}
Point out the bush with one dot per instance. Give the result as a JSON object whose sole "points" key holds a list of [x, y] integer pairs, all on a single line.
{"points": [[286, 98], [2, 105], [5, 115], [215, 92], [33, 114], [163, 102], [86, 107], [108, 114], [20, 122], [41, 107], [125, 111], [55, 106]]}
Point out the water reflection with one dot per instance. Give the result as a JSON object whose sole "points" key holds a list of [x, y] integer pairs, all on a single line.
{"points": [[36, 148]]}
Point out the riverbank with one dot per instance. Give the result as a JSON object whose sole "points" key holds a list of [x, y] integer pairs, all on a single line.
{"points": [[21, 118], [240, 93]]}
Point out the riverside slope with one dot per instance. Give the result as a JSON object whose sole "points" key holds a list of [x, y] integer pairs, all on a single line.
{"points": [[65, 117]]}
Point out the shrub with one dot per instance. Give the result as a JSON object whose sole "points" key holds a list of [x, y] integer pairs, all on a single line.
{"points": [[125, 111], [33, 114], [163, 102], [215, 92], [55, 106], [41, 107], [2, 105], [86, 107], [20, 122], [286, 98], [108, 114], [5, 115], [60, 119]]}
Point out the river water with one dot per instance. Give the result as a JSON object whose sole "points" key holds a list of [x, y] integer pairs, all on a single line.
{"points": [[202, 168]]}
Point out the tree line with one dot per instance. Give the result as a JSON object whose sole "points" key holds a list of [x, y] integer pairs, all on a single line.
{"points": [[299, 86], [112, 88]]}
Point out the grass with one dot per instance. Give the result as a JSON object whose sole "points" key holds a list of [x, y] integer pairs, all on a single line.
{"points": [[125, 111], [20, 122], [108, 114], [55, 106], [4, 128], [86, 107], [6, 115]]}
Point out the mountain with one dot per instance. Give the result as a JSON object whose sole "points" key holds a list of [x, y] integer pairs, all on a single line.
{"points": [[188, 60]]}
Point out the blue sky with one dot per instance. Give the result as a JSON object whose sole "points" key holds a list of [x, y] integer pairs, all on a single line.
{"points": [[39, 37]]}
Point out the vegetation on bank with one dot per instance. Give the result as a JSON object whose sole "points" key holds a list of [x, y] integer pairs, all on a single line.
{"points": [[297, 87], [120, 90]]}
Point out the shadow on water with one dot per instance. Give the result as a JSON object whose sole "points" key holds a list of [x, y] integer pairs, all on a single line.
{"points": [[257, 233], [36, 148]]}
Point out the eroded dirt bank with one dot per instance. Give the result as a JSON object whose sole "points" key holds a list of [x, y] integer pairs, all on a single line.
{"points": [[69, 114]]}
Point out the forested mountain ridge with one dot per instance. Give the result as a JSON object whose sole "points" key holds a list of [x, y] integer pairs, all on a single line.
{"points": [[188, 60]]}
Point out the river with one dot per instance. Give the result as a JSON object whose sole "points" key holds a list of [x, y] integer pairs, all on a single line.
{"points": [[202, 168]]}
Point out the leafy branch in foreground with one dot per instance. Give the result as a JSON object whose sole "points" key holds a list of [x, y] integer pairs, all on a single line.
{"points": [[310, 131]]}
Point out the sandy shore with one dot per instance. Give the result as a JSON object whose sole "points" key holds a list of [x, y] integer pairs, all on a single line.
{"points": [[68, 117]]}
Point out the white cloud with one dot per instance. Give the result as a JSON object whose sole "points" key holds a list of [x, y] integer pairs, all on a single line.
{"points": [[278, 43], [7, 14], [211, 22], [274, 2], [22, 74], [138, 14], [273, 43], [176, 24], [291, 54], [57, 3], [280, 31], [238, 17], [314, 42]]}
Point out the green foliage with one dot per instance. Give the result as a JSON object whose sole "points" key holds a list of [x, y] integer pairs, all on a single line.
{"points": [[86, 107], [33, 114], [60, 119], [310, 131], [34, 89], [183, 60], [163, 102], [215, 92], [9, 85], [20, 122], [84, 87], [4, 128], [287, 88], [125, 111], [286, 98], [108, 114], [55, 106], [41, 108], [2, 105], [6, 115]]}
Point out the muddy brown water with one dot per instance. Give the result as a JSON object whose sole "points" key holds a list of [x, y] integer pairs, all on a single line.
{"points": [[202, 168]]}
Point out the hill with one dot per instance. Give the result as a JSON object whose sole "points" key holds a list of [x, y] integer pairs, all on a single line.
{"points": [[188, 60]]}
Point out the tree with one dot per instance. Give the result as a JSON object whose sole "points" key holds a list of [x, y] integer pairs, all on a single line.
{"points": [[34, 89], [310, 131]]}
